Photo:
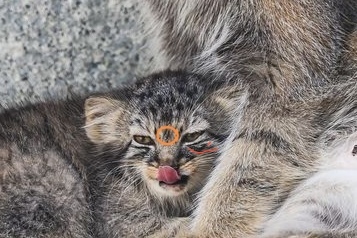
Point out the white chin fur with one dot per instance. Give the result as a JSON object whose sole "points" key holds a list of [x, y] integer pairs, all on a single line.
{"points": [[159, 191]]}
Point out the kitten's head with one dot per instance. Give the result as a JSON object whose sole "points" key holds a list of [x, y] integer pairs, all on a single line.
{"points": [[165, 131]]}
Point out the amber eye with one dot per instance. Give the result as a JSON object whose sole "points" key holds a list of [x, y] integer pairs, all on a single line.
{"points": [[144, 140], [192, 136]]}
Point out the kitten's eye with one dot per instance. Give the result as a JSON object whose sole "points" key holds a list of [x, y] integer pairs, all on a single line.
{"points": [[144, 140], [192, 136]]}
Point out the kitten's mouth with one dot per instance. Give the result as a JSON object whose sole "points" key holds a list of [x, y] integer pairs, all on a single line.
{"points": [[182, 182], [170, 177]]}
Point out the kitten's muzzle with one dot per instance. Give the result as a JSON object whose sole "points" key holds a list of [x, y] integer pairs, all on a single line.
{"points": [[182, 182]]}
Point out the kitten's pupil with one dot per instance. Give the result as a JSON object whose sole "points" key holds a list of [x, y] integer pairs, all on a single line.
{"points": [[192, 136], [144, 140]]}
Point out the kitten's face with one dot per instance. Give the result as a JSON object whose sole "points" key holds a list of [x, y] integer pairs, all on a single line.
{"points": [[169, 138], [172, 164]]}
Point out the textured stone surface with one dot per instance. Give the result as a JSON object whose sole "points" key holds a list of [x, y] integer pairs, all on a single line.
{"points": [[50, 48]]}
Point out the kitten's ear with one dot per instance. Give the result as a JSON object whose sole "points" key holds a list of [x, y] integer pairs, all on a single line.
{"points": [[106, 120]]}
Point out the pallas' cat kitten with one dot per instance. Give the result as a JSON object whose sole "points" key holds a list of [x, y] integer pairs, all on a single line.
{"points": [[134, 156], [157, 142]]}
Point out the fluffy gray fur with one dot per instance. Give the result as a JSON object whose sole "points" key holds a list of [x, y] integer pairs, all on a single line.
{"points": [[291, 45], [43, 189], [285, 56]]}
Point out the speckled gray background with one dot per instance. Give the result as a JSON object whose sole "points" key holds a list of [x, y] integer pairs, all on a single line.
{"points": [[49, 48]]}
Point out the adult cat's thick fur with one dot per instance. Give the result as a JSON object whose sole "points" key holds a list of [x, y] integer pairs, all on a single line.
{"points": [[284, 53], [291, 45]]}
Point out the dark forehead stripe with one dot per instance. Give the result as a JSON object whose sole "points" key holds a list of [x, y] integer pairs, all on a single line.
{"points": [[167, 135]]}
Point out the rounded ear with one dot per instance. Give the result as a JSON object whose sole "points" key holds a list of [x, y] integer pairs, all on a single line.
{"points": [[106, 120]]}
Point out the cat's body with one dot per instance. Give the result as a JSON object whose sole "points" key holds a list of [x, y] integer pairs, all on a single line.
{"points": [[285, 55], [43, 189]]}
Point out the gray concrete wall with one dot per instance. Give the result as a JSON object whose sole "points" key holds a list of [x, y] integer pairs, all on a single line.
{"points": [[50, 48]]}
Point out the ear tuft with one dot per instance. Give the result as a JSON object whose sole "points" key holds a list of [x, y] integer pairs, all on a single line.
{"points": [[102, 115], [96, 107]]}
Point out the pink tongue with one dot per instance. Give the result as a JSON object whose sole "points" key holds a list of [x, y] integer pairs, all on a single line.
{"points": [[168, 175]]}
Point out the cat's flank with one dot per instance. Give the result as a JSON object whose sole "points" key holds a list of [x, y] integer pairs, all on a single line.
{"points": [[157, 143]]}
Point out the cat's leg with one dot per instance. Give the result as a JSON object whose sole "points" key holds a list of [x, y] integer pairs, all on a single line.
{"points": [[244, 190]]}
